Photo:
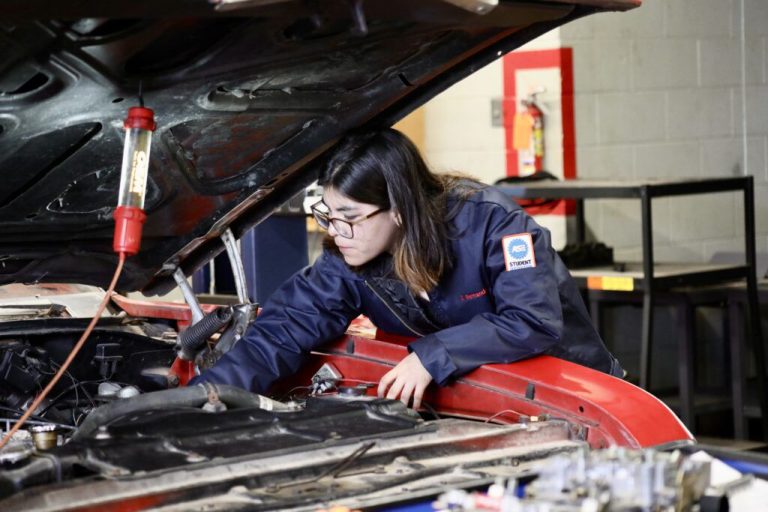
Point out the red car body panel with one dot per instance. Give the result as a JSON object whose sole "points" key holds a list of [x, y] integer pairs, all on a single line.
{"points": [[608, 410]]}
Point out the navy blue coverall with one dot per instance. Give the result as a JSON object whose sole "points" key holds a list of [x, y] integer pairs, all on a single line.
{"points": [[508, 297]]}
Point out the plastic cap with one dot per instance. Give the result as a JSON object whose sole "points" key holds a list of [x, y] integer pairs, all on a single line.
{"points": [[128, 226], [140, 117]]}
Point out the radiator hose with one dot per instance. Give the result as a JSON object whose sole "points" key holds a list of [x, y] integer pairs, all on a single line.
{"points": [[194, 336], [191, 396]]}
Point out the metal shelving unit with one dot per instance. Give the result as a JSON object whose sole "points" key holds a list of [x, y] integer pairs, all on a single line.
{"points": [[649, 277]]}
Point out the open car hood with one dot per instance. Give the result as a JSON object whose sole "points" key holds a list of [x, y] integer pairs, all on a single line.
{"points": [[247, 95]]}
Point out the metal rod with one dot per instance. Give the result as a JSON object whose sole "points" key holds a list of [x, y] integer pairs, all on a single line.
{"points": [[238, 271], [581, 229], [737, 342], [646, 341], [753, 304], [189, 295], [686, 325]]}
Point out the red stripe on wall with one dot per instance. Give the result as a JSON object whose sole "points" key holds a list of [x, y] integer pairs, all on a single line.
{"points": [[566, 103]]}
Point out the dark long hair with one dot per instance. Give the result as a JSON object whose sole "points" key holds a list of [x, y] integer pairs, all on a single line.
{"points": [[385, 169]]}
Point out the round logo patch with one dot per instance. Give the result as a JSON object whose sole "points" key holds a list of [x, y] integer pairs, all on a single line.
{"points": [[518, 249]]}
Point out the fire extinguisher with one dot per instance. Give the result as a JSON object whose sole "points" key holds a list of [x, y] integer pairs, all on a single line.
{"points": [[529, 136]]}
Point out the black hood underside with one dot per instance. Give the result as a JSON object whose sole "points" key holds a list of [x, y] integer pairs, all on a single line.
{"points": [[246, 102]]}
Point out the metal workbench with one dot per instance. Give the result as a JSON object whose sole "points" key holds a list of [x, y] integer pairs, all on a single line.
{"points": [[649, 277]]}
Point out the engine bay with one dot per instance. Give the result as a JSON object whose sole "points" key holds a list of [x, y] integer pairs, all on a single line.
{"points": [[119, 361], [123, 431]]}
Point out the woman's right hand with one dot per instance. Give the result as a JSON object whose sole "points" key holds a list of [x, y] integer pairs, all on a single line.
{"points": [[407, 380]]}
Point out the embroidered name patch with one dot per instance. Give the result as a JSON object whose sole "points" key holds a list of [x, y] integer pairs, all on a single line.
{"points": [[518, 251], [474, 295]]}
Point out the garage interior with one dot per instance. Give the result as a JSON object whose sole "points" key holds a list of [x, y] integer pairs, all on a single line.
{"points": [[638, 139], [670, 92]]}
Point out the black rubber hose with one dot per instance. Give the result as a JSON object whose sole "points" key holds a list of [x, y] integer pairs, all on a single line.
{"points": [[192, 396], [195, 335], [39, 470]]}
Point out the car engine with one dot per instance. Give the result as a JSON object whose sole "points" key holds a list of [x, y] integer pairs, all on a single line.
{"points": [[120, 360], [120, 431]]}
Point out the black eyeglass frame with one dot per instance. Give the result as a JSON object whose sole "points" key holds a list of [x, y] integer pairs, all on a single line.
{"points": [[323, 220]]}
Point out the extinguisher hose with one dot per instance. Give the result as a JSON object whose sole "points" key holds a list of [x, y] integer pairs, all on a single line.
{"points": [[31, 409]]}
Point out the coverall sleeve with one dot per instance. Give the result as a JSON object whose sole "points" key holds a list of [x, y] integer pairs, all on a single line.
{"points": [[527, 320], [314, 306]]}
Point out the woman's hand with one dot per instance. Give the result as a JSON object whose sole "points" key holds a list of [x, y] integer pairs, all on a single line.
{"points": [[408, 378]]}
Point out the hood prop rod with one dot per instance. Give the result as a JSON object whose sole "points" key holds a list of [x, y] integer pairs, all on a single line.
{"points": [[234, 319], [189, 295], [245, 311], [236, 262]]}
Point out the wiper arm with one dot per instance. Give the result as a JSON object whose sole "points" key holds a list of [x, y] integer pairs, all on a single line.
{"points": [[334, 471]]}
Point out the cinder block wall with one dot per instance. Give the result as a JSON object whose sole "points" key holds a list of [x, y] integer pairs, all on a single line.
{"points": [[674, 89], [459, 135]]}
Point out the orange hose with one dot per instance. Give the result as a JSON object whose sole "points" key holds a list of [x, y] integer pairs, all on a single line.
{"points": [[31, 409]]}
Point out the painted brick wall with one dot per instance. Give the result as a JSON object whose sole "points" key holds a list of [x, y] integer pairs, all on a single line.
{"points": [[459, 135], [674, 89]]}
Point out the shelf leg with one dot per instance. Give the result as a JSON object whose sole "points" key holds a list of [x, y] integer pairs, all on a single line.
{"points": [[753, 305], [736, 340], [686, 329], [646, 344], [646, 341]]}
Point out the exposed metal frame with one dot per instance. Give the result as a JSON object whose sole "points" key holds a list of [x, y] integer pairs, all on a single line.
{"points": [[649, 284]]}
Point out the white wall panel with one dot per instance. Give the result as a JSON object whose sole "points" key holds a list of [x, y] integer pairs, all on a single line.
{"points": [[665, 160], [586, 121], [720, 61], [721, 157], [756, 12], [761, 207], [630, 117], [647, 22], [696, 113], [468, 118], [663, 63], [602, 67], [701, 217], [698, 18], [605, 162], [756, 110], [620, 226], [483, 165], [459, 135], [690, 251]]}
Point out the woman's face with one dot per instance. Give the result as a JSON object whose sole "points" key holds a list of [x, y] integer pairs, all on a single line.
{"points": [[371, 236]]}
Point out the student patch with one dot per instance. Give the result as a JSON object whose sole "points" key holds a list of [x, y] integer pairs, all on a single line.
{"points": [[518, 251]]}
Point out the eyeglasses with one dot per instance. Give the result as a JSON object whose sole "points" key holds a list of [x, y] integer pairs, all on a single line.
{"points": [[342, 227]]}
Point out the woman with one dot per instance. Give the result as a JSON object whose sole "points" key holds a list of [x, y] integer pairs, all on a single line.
{"points": [[450, 261]]}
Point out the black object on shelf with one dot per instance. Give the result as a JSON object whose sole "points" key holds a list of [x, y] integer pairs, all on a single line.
{"points": [[586, 254], [529, 202]]}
